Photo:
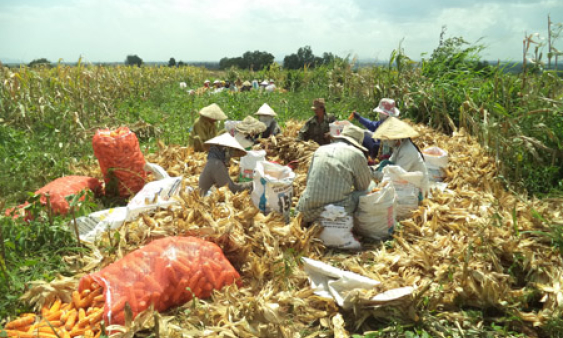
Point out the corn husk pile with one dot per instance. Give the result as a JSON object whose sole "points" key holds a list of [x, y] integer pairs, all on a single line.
{"points": [[469, 246]]}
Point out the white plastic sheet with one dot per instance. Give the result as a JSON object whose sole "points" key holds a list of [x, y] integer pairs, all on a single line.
{"points": [[340, 285], [154, 195]]}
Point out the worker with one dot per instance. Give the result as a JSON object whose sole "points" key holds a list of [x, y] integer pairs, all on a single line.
{"points": [[317, 127], [385, 109], [271, 86], [246, 86], [248, 130], [338, 175], [398, 135], [204, 126], [267, 116], [215, 173], [206, 83]]}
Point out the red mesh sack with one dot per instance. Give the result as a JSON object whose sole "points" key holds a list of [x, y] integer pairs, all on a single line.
{"points": [[66, 186], [167, 272], [17, 212], [118, 152]]}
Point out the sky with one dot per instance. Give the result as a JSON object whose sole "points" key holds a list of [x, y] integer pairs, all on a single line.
{"points": [[207, 30]]}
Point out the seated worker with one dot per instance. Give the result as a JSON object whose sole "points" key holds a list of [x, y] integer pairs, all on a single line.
{"points": [[204, 126], [398, 135], [267, 116], [206, 83], [247, 131], [271, 87], [317, 127], [215, 173], [338, 175], [246, 86], [385, 109]]}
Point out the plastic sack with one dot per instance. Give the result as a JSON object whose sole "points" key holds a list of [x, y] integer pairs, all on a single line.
{"points": [[66, 186], [158, 171], [375, 216], [273, 188], [336, 127], [230, 126], [407, 186], [156, 194], [167, 272], [118, 153], [436, 162], [248, 163], [337, 228], [17, 212], [94, 225]]}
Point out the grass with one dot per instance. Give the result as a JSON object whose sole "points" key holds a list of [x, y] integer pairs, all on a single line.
{"points": [[31, 251]]}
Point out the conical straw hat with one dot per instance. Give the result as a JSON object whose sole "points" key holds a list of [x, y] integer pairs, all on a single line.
{"points": [[266, 110], [250, 125], [394, 129], [214, 112], [353, 134], [225, 140]]}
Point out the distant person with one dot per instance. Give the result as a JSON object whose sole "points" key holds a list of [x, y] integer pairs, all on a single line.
{"points": [[206, 83], [317, 127], [267, 116], [271, 87], [255, 84], [218, 84], [204, 126], [246, 86]]}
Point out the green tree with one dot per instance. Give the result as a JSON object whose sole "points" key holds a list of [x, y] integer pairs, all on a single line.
{"points": [[256, 60], [39, 62], [172, 62], [304, 56], [133, 60]]}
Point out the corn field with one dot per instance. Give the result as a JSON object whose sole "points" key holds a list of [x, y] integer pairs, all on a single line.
{"points": [[49, 115]]}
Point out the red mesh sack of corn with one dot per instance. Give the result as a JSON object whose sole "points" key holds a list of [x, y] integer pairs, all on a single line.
{"points": [[119, 156], [167, 272], [66, 186]]}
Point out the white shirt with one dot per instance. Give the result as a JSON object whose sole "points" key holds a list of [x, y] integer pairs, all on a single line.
{"points": [[407, 157]]}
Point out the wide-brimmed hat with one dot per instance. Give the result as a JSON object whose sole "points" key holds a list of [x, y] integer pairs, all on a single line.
{"points": [[250, 125], [354, 135], [214, 112], [394, 129], [246, 84], [387, 107], [206, 81], [266, 110], [320, 102], [264, 83], [225, 140], [216, 81]]}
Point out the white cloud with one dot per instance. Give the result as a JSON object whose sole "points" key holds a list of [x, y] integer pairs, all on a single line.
{"points": [[108, 30]]}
